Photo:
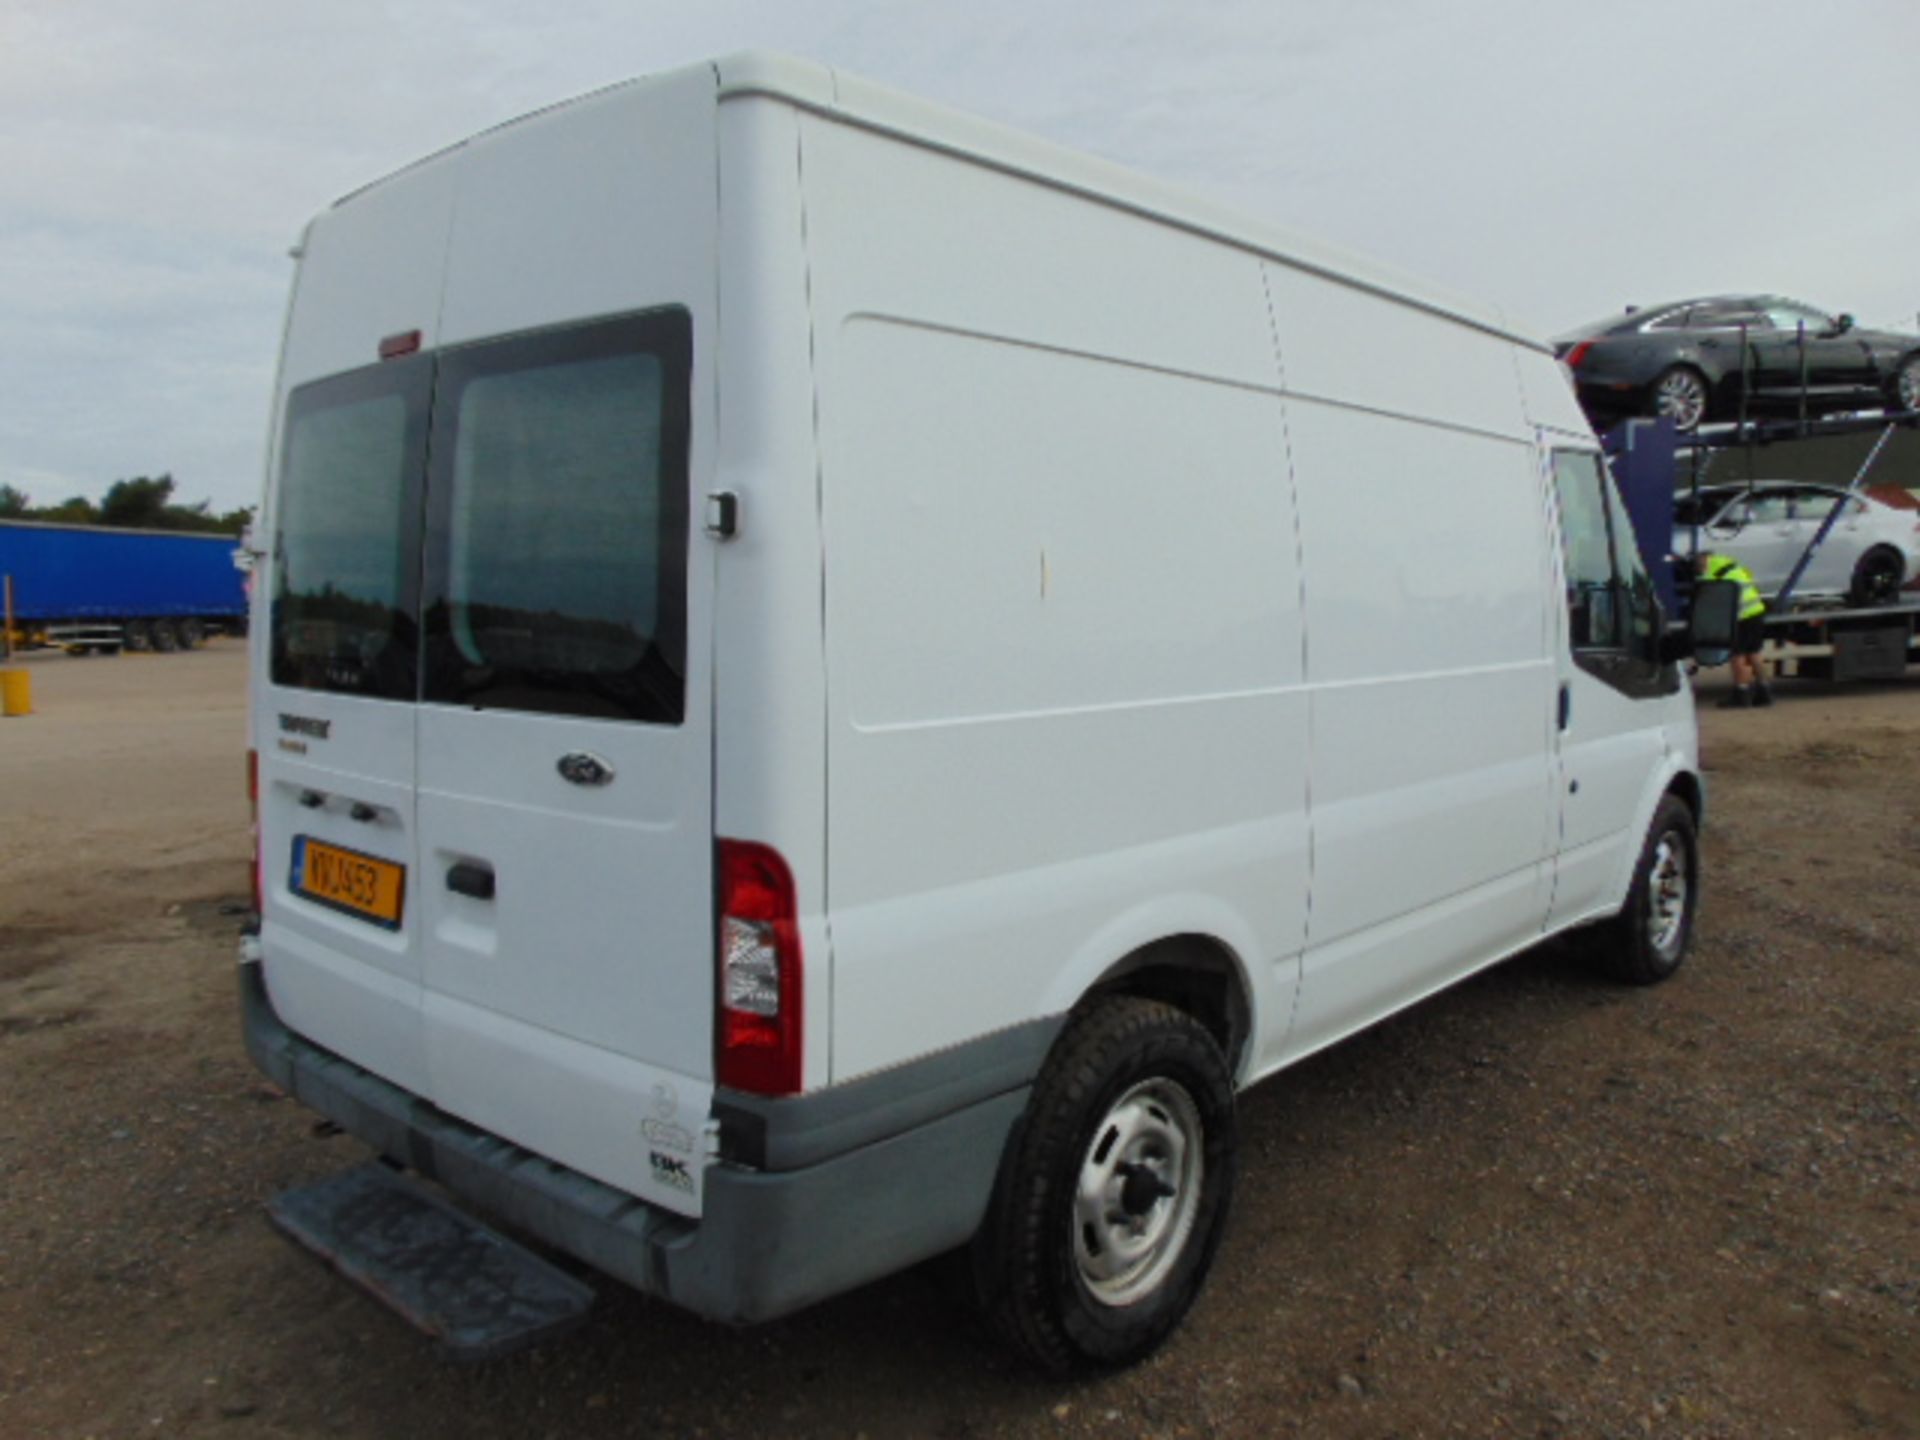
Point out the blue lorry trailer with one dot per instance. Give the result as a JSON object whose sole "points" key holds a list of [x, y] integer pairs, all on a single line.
{"points": [[98, 588]]}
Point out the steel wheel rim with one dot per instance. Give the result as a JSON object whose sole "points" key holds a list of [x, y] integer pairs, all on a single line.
{"points": [[1138, 1191], [1682, 399], [1910, 387], [1667, 896]]}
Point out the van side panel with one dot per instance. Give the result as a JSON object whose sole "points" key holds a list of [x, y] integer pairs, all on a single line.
{"points": [[1063, 599], [1432, 685]]}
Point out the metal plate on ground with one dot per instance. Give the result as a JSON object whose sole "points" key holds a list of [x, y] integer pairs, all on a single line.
{"points": [[479, 1293]]}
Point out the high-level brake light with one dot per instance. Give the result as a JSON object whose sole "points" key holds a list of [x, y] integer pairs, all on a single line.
{"points": [[407, 342]]}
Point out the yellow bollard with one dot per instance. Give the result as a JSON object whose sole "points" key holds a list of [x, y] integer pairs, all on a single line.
{"points": [[16, 692]]}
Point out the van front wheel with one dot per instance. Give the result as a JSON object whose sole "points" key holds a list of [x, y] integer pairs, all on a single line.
{"points": [[1647, 940], [1115, 1190]]}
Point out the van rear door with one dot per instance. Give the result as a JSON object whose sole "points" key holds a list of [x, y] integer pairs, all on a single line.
{"points": [[337, 655], [565, 727]]}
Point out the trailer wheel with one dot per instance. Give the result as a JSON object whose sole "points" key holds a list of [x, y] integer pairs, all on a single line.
{"points": [[1877, 577], [1114, 1192], [1647, 941], [136, 637], [191, 634], [165, 638]]}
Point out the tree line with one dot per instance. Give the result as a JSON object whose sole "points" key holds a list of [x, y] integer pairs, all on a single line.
{"points": [[144, 502]]}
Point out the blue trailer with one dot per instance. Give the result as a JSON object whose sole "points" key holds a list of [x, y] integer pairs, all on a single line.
{"points": [[90, 587]]}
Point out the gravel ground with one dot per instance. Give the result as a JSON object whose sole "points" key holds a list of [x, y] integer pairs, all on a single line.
{"points": [[1535, 1206]]}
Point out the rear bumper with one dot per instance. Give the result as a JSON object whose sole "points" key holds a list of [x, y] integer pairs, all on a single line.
{"points": [[902, 1175]]}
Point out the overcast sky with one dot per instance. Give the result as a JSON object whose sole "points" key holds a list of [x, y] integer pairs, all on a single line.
{"points": [[1560, 158]]}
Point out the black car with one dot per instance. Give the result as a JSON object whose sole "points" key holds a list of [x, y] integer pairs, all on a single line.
{"points": [[1683, 360]]}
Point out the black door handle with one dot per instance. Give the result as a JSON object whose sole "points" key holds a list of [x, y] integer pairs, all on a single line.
{"points": [[467, 878], [1566, 704]]}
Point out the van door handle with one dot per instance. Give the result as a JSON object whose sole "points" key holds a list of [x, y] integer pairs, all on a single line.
{"points": [[467, 878], [1566, 704]]}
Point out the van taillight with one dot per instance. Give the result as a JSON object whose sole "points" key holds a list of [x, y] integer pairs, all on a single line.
{"points": [[759, 972], [253, 813], [1577, 354]]}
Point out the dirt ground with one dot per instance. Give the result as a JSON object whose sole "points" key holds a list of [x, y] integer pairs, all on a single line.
{"points": [[1536, 1206]]}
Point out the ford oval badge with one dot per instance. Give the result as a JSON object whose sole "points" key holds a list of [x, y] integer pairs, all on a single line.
{"points": [[583, 768]]}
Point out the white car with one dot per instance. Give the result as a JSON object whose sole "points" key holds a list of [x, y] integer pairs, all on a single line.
{"points": [[1872, 550]]}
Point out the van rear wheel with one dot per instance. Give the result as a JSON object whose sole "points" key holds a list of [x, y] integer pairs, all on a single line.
{"points": [[1647, 941], [1114, 1192]]}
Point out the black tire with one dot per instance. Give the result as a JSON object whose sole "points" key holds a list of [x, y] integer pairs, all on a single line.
{"points": [[136, 636], [165, 638], [192, 635], [1877, 577], [1680, 393], [1123, 1060], [1648, 940]]}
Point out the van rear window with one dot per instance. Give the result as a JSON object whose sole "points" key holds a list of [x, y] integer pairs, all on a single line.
{"points": [[346, 537], [556, 576], [523, 549]]}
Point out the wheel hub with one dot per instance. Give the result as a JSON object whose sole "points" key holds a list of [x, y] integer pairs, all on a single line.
{"points": [[1141, 1189], [1138, 1191], [1667, 886]]}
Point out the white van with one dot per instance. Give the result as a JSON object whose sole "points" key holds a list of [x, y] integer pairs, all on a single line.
{"points": [[831, 681]]}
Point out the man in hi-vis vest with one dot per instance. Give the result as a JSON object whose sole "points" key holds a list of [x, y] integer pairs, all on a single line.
{"points": [[1749, 682]]}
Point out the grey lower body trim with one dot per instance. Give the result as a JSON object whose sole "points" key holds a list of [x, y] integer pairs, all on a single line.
{"points": [[767, 1243], [794, 1133]]}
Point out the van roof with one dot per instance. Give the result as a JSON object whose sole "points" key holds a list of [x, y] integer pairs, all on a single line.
{"points": [[852, 100]]}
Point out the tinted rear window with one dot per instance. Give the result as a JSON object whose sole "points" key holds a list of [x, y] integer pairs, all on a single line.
{"points": [[539, 520], [346, 533], [557, 541]]}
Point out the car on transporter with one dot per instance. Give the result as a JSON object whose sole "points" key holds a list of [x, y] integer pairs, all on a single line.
{"points": [[1870, 552], [1683, 360]]}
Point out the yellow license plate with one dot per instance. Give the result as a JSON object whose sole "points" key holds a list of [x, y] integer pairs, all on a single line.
{"points": [[347, 880]]}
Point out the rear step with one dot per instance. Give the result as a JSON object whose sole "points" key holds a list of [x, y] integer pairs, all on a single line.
{"points": [[477, 1292]]}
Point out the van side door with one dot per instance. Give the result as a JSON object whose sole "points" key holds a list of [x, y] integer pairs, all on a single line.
{"points": [[1608, 732]]}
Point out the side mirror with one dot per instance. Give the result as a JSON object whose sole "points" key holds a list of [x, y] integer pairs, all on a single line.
{"points": [[1842, 325], [1713, 620]]}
